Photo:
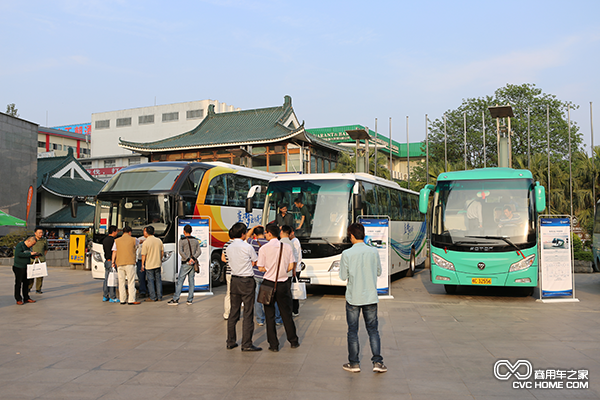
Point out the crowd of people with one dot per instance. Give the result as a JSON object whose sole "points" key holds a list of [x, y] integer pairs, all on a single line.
{"points": [[268, 257]]}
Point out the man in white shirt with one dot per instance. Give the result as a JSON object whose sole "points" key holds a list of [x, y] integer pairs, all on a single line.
{"points": [[268, 257], [242, 257]]}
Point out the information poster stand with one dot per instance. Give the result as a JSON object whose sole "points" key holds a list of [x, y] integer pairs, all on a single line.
{"points": [[557, 280], [201, 231], [377, 235]]}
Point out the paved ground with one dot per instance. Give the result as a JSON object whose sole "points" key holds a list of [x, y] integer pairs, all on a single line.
{"points": [[70, 345]]}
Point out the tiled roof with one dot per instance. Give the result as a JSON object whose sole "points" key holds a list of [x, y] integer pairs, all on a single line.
{"points": [[66, 186], [246, 127], [62, 218]]}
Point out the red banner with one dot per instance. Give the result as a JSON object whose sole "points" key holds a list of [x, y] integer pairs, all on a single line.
{"points": [[29, 198]]}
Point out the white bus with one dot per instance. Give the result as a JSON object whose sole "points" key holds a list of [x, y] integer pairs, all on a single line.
{"points": [[334, 201], [156, 193]]}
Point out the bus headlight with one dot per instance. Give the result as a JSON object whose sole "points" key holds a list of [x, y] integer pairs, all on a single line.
{"points": [[522, 264], [440, 262], [97, 256], [167, 255], [335, 266]]}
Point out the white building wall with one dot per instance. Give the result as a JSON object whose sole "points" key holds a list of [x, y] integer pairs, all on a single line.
{"points": [[105, 140], [49, 204]]}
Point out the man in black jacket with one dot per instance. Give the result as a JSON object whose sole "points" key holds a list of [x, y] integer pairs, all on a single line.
{"points": [[23, 254], [107, 245]]}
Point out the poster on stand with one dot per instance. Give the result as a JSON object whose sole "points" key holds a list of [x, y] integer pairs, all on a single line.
{"points": [[555, 257], [201, 232], [377, 236]]}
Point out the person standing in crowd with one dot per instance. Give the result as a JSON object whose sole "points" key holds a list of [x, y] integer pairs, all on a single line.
{"points": [[256, 238], [141, 274], [189, 250], [304, 224], [268, 262], [107, 245], [296, 245], [227, 301], [283, 217], [22, 255], [40, 247], [152, 255], [241, 258], [360, 266], [123, 258]]}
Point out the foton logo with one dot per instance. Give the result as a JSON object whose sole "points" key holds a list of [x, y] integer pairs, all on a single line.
{"points": [[504, 369]]}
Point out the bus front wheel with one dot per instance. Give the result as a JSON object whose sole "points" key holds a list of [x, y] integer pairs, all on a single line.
{"points": [[216, 269], [450, 289], [411, 264]]}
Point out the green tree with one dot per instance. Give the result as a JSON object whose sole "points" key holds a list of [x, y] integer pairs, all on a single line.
{"points": [[11, 109], [520, 97], [347, 164]]}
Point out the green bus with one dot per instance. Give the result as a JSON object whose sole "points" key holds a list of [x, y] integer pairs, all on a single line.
{"points": [[483, 228]]}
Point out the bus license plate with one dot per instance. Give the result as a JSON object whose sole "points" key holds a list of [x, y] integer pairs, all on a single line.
{"points": [[305, 280], [481, 281]]}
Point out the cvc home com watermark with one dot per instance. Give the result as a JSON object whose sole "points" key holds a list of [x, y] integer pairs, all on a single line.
{"points": [[526, 377]]}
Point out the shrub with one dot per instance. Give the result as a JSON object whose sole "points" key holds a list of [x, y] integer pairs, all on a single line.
{"points": [[584, 255], [12, 239]]}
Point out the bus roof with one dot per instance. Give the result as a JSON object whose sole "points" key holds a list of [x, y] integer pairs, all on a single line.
{"points": [[485, 173], [335, 175]]}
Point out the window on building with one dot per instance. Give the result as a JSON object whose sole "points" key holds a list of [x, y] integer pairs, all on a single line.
{"points": [[123, 122], [173, 116], [86, 164], [104, 124], [56, 146], [313, 164], [146, 119], [42, 145], [134, 161], [259, 162], [277, 163], [110, 163], [194, 114]]}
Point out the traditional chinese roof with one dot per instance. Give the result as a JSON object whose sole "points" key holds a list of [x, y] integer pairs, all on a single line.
{"points": [[236, 128], [63, 219], [65, 177]]}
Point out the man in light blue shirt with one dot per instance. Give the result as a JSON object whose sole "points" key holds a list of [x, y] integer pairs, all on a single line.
{"points": [[360, 265]]}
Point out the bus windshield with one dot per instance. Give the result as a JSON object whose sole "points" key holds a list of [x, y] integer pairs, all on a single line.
{"points": [[134, 211], [497, 214], [327, 202], [158, 178]]}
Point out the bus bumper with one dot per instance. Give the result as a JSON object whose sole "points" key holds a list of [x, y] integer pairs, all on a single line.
{"points": [[322, 272], [524, 278]]}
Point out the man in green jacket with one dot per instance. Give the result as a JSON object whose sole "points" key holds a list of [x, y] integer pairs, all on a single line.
{"points": [[23, 254], [40, 247]]}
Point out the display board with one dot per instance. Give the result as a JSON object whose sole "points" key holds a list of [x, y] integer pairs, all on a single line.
{"points": [[201, 232], [377, 235], [556, 272]]}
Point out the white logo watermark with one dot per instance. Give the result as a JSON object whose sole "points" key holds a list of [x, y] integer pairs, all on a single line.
{"points": [[526, 377]]}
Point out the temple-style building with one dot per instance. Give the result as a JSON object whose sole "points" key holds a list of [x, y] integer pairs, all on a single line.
{"points": [[269, 139]]}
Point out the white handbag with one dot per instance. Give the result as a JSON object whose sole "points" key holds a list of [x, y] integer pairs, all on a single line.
{"points": [[113, 278], [37, 269], [298, 290]]}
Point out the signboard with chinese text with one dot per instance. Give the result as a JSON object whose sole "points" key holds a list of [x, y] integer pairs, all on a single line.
{"points": [[201, 233], [377, 236], [556, 257], [77, 249]]}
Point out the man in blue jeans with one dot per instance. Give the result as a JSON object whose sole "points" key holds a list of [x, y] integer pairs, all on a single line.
{"points": [[189, 250], [360, 265]]}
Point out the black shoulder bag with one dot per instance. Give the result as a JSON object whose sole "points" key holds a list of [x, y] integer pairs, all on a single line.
{"points": [[267, 293]]}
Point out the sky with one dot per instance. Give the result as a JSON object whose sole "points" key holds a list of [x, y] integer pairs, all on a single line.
{"points": [[342, 62]]}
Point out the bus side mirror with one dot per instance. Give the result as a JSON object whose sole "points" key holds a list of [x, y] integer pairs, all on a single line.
{"points": [[73, 206], [250, 197], [424, 198], [357, 202], [180, 208], [540, 197], [249, 204]]}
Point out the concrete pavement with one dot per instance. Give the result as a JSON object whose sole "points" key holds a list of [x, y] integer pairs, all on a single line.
{"points": [[71, 345]]}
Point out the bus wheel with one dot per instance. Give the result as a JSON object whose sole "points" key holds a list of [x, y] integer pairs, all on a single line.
{"points": [[216, 269], [411, 264], [450, 289]]}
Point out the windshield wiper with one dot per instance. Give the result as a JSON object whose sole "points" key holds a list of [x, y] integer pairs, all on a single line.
{"points": [[504, 238], [326, 241]]}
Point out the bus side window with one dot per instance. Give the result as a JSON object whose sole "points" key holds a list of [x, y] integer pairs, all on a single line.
{"points": [[405, 207], [396, 205], [237, 187], [383, 200], [369, 199], [215, 195]]}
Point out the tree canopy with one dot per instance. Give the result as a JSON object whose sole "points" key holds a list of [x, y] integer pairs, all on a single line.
{"points": [[520, 97], [11, 109]]}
